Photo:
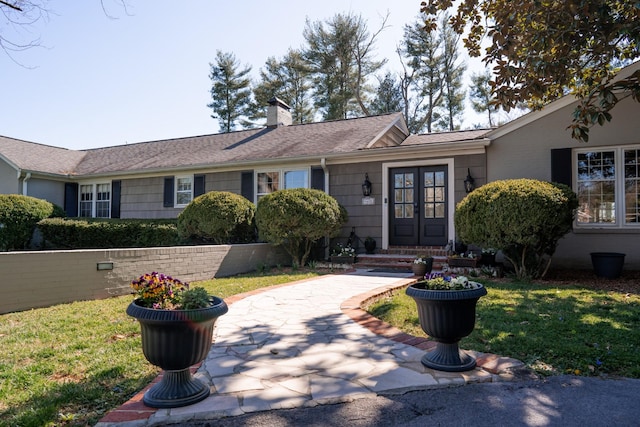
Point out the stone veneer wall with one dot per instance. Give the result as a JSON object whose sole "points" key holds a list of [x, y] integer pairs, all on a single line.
{"points": [[39, 279]]}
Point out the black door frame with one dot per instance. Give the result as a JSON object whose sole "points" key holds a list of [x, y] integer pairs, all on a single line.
{"points": [[447, 163]]}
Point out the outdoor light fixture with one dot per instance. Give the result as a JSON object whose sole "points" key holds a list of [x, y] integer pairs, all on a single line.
{"points": [[366, 186], [469, 182], [106, 265]]}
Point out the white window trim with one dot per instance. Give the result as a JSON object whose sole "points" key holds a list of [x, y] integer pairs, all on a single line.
{"points": [[94, 189], [282, 172], [620, 207], [175, 190]]}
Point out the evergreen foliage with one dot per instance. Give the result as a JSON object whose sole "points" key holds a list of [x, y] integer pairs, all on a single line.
{"points": [[230, 92], [218, 217], [524, 218], [542, 50], [298, 217], [18, 218]]}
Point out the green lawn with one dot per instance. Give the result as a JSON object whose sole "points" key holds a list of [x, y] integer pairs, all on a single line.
{"points": [[69, 364], [553, 329]]}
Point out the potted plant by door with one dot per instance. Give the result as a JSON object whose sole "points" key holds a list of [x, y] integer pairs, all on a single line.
{"points": [[370, 245], [422, 265], [176, 324], [447, 313], [343, 255]]}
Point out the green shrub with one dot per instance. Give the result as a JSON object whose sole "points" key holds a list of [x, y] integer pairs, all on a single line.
{"points": [[18, 218], [524, 218], [298, 217], [83, 233], [218, 217]]}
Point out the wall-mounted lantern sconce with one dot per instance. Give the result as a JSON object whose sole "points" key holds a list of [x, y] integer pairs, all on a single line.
{"points": [[366, 186], [469, 182]]}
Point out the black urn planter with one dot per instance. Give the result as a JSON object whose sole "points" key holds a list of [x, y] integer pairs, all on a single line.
{"points": [[174, 340], [370, 245], [607, 264], [422, 269], [447, 316]]}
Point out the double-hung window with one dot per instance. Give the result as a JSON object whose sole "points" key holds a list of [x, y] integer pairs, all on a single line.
{"points": [[274, 180], [95, 200], [608, 187], [184, 190]]}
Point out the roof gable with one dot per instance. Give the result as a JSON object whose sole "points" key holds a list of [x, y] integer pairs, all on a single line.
{"points": [[552, 107], [33, 157]]}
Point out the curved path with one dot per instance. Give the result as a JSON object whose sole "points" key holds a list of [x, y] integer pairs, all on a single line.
{"points": [[305, 344]]}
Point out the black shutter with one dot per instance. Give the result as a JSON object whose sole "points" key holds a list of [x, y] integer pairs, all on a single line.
{"points": [[115, 199], [168, 192], [317, 178], [71, 199], [561, 165], [198, 185], [246, 185]]}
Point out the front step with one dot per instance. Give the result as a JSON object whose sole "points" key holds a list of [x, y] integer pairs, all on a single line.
{"points": [[400, 262]]}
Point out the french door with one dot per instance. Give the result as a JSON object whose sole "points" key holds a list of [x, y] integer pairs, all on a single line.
{"points": [[418, 206]]}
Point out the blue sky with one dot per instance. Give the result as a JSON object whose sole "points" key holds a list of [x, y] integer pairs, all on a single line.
{"points": [[98, 81]]}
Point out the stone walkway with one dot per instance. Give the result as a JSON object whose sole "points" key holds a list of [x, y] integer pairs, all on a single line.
{"points": [[308, 344]]}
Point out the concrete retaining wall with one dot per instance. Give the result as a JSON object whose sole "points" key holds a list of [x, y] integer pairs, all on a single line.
{"points": [[39, 279]]}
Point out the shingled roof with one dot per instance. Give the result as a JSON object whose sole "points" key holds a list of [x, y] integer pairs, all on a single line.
{"points": [[243, 147], [280, 143], [33, 157]]}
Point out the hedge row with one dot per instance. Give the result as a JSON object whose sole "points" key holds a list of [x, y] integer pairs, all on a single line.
{"points": [[86, 233]]}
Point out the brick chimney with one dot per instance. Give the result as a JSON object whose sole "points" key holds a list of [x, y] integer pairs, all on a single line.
{"points": [[278, 113]]}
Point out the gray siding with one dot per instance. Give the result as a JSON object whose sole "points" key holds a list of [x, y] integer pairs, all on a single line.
{"points": [[142, 198], [8, 179], [53, 191], [526, 153], [223, 181], [345, 185]]}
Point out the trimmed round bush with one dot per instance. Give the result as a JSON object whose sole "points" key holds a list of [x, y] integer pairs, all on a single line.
{"points": [[218, 217], [18, 218], [296, 218], [524, 218]]}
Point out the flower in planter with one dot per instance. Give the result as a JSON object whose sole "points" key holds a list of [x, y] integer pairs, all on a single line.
{"points": [[420, 260], [162, 292], [341, 250], [447, 282]]}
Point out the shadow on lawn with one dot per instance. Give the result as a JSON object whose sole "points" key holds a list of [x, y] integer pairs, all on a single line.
{"points": [[75, 403], [560, 329]]}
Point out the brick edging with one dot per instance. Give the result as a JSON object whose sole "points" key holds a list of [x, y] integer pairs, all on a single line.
{"points": [[134, 409], [352, 307]]}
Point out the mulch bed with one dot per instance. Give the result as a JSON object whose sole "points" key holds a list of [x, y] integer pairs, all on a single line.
{"points": [[628, 282]]}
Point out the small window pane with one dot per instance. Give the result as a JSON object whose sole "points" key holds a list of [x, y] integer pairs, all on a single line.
{"points": [[439, 194], [429, 194], [408, 211], [429, 211], [428, 179], [439, 210], [439, 179], [399, 211], [408, 180], [295, 179], [398, 196], [268, 182], [398, 180], [408, 196]]}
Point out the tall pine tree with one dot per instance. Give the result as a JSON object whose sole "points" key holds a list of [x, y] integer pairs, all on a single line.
{"points": [[230, 92], [339, 52], [289, 80]]}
